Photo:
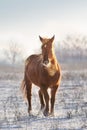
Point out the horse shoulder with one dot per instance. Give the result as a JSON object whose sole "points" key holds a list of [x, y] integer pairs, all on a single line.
{"points": [[32, 58]]}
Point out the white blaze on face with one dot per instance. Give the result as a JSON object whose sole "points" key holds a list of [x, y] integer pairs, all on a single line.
{"points": [[45, 46]]}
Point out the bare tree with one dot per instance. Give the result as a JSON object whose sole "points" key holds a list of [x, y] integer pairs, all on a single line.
{"points": [[12, 53]]}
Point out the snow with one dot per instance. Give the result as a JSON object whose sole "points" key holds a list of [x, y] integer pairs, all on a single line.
{"points": [[70, 105]]}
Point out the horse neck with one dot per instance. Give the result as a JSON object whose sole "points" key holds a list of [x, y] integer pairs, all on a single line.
{"points": [[54, 59], [52, 67]]}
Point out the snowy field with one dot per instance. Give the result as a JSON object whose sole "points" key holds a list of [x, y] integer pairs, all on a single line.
{"points": [[70, 106]]}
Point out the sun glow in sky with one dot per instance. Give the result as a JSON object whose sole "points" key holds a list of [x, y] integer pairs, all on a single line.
{"points": [[23, 21]]}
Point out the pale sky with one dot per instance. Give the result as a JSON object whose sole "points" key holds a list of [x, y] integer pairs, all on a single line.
{"points": [[23, 21]]}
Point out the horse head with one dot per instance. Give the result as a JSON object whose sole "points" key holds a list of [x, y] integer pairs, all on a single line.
{"points": [[47, 49]]}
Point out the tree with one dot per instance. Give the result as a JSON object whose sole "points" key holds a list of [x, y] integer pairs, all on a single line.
{"points": [[12, 53], [73, 47]]}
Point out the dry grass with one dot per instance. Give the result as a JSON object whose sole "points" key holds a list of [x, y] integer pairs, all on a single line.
{"points": [[74, 66]]}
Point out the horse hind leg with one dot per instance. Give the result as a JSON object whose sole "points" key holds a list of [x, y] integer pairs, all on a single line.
{"points": [[41, 99], [28, 93]]}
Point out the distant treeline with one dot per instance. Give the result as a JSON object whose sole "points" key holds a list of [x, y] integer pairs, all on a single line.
{"points": [[73, 48]]}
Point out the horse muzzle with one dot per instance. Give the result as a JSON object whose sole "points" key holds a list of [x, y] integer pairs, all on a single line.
{"points": [[46, 62]]}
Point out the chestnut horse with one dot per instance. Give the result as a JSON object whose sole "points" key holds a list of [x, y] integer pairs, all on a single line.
{"points": [[42, 70]]}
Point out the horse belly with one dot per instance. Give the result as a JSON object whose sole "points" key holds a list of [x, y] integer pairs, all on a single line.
{"points": [[33, 74]]}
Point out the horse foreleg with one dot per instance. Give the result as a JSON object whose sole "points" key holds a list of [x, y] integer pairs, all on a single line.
{"points": [[46, 97], [53, 93], [41, 99]]}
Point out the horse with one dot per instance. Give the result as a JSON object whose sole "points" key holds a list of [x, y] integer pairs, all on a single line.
{"points": [[42, 70]]}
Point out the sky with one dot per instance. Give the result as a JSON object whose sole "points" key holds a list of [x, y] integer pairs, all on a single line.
{"points": [[22, 21]]}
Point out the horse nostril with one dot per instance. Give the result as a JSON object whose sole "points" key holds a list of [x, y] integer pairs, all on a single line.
{"points": [[46, 62]]}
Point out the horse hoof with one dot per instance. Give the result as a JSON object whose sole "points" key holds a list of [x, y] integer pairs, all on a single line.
{"points": [[46, 113], [51, 114], [29, 112]]}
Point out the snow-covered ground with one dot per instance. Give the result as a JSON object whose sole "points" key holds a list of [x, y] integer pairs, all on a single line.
{"points": [[70, 106]]}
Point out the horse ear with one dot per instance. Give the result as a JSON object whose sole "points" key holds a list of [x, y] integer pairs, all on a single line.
{"points": [[41, 39], [52, 39]]}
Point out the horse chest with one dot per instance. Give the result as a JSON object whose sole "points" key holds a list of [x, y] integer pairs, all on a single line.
{"points": [[51, 72], [50, 78]]}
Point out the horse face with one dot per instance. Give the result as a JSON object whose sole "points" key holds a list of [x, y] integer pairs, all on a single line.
{"points": [[47, 49]]}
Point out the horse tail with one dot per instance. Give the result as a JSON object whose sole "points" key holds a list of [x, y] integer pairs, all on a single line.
{"points": [[26, 84], [23, 88]]}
